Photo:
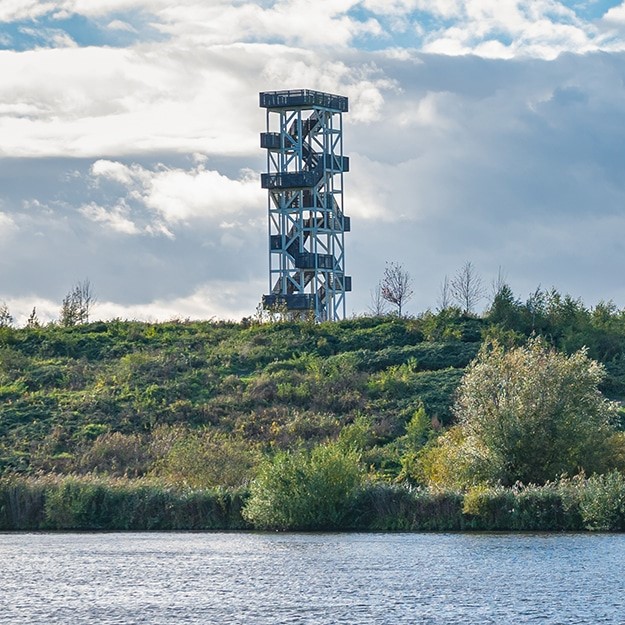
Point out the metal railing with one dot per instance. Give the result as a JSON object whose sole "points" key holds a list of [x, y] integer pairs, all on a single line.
{"points": [[290, 180], [295, 301], [303, 97]]}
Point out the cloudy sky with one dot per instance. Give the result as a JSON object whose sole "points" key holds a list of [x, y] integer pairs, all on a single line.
{"points": [[490, 131]]}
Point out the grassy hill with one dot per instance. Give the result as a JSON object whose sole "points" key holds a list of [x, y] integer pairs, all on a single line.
{"points": [[117, 396], [125, 424], [201, 402]]}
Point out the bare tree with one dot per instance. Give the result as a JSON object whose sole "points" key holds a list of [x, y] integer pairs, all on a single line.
{"points": [[498, 283], [396, 286], [377, 308], [77, 304], [444, 297], [467, 288]]}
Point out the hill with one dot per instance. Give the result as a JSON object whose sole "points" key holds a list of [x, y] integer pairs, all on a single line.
{"points": [[119, 397], [200, 402]]}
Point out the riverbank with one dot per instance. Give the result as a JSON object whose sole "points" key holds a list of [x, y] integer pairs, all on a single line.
{"points": [[102, 504]]}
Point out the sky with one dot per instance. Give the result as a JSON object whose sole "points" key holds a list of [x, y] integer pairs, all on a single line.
{"points": [[482, 131]]}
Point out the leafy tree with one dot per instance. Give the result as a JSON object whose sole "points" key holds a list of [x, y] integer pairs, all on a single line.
{"points": [[396, 286], [530, 414], [33, 319], [6, 319], [77, 304], [506, 309]]}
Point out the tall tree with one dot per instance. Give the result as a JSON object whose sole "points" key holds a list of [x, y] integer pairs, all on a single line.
{"points": [[467, 288], [33, 319], [396, 286], [6, 319], [77, 304]]}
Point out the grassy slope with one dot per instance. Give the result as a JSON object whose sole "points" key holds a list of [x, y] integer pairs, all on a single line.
{"points": [[114, 397], [62, 389]]}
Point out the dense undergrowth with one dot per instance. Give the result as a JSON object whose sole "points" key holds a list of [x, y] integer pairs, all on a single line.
{"points": [[133, 425], [97, 503]]}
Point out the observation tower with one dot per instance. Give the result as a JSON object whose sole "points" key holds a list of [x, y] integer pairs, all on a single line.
{"points": [[304, 180]]}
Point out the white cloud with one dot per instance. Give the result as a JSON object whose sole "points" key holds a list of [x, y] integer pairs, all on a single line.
{"points": [[20, 308], [297, 22], [177, 196], [216, 299], [161, 98], [116, 218], [507, 28], [13, 10], [98, 8], [302, 22], [7, 225], [180, 196], [112, 170], [541, 28], [121, 25], [49, 37], [212, 300], [615, 14]]}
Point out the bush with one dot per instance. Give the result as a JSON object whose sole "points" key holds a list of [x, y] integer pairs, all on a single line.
{"points": [[117, 454], [602, 502], [392, 507], [305, 490], [206, 459], [529, 414]]}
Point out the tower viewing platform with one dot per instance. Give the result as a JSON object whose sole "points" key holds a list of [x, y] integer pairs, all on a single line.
{"points": [[303, 97]]}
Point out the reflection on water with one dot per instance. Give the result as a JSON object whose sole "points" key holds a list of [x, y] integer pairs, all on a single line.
{"points": [[258, 579]]}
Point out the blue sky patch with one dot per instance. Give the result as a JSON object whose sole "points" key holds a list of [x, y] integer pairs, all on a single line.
{"points": [[114, 30], [591, 9]]}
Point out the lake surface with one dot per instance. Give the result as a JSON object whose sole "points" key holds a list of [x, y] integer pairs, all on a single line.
{"points": [[269, 579]]}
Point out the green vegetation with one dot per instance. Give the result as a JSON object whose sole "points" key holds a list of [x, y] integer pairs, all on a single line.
{"points": [[370, 423], [530, 415], [97, 503], [305, 490]]}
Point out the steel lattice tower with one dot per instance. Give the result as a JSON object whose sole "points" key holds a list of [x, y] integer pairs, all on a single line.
{"points": [[304, 179]]}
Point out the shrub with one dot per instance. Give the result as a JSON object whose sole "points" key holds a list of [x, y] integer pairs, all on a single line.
{"points": [[117, 454], [96, 503], [529, 414], [206, 459], [602, 502], [391, 507], [305, 490]]}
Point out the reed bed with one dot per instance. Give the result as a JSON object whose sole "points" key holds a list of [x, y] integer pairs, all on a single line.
{"points": [[97, 503]]}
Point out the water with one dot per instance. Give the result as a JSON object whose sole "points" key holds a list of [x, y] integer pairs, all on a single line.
{"points": [[270, 579]]}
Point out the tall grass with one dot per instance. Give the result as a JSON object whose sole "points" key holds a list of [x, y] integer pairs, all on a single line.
{"points": [[579, 504], [94, 503], [53, 502]]}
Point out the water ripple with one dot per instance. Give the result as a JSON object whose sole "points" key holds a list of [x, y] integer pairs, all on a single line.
{"points": [[301, 579]]}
